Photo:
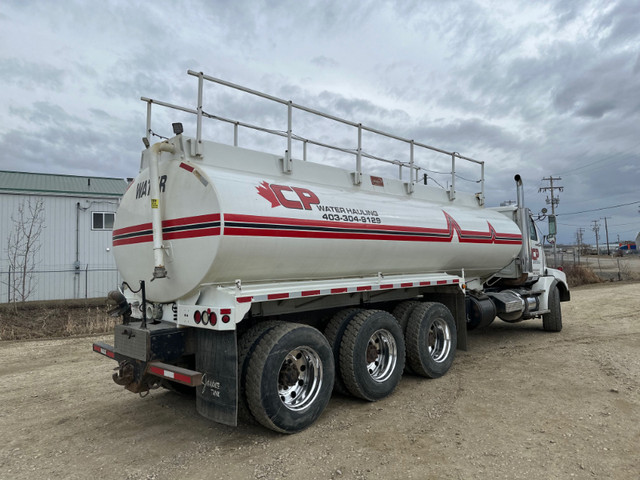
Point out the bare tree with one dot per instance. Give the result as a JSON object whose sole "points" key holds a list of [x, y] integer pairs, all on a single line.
{"points": [[23, 246]]}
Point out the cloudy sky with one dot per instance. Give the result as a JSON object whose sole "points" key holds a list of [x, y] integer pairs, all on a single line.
{"points": [[549, 88]]}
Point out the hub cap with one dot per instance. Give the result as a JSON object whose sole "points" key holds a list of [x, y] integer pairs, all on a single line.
{"points": [[381, 355], [439, 340], [300, 378]]}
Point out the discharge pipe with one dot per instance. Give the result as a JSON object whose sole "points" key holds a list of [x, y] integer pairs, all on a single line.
{"points": [[159, 270]]}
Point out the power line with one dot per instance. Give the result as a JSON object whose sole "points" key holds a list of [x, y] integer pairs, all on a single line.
{"points": [[599, 209], [573, 170]]}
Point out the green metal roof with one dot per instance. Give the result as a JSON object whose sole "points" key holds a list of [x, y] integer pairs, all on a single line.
{"points": [[47, 183]]}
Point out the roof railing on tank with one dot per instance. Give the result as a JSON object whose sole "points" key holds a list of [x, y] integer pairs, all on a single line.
{"points": [[290, 136]]}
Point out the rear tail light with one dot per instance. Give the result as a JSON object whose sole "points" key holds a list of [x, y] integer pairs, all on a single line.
{"points": [[226, 318], [213, 318], [205, 318], [197, 317]]}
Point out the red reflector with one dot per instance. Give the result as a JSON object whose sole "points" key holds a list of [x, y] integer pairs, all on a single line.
{"points": [[226, 318], [310, 293], [213, 318], [561, 269], [197, 317], [103, 351], [277, 296], [188, 168], [225, 311], [182, 378]]}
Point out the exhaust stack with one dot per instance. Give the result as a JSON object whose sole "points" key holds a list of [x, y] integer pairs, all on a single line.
{"points": [[523, 223]]}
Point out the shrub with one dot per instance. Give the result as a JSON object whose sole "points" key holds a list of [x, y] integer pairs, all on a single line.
{"points": [[578, 275]]}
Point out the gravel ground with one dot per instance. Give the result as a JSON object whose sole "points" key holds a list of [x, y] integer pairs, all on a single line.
{"points": [[520, 403]]}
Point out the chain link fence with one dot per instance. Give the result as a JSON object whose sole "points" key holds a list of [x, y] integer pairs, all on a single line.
{"points": [[59, 284]]}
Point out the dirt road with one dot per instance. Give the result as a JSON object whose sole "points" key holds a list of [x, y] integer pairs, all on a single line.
{"points": [[520, 403]]}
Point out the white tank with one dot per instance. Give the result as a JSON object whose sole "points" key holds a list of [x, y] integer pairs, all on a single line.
{"points": [[234, 215]]}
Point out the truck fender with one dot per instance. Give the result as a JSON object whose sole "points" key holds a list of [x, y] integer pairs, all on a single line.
{"points": [[546, 285]]}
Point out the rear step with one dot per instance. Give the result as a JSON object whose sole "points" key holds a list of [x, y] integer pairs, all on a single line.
{"points": [[176, 374], [104, 349]]}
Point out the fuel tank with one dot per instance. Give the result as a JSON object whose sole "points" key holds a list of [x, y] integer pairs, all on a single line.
{"points": [[232, 214]]}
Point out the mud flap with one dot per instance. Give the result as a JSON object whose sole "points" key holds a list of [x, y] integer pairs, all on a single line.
{"points": [[461, 321], [217, 359]]}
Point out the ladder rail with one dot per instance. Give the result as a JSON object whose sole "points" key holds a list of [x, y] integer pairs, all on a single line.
{"points": [[358, 152]]}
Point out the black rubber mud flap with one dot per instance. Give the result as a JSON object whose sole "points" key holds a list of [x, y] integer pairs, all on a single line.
{"points": [[460, 314], [216, 358]]}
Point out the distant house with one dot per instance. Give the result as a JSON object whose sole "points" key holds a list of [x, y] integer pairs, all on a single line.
{"points": [[74, 258]]}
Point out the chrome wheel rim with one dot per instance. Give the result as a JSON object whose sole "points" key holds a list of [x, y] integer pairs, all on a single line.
{"points": [[381, 355], [439, 340], [300, 378]]}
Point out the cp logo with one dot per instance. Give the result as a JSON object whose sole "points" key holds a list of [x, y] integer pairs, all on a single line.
{"points": [[289, 197]]}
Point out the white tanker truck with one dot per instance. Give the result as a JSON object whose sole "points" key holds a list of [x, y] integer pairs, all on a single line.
{"points": [[264, 282]]}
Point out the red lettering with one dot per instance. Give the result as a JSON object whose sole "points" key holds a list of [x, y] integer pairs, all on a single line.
{"points": [[277, 189], [307, 197]]}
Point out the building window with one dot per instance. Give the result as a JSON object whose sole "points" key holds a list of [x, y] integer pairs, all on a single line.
{"points": [[102, 220]]}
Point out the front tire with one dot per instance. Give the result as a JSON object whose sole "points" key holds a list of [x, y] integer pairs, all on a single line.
{"points": [[290, 377], [552, 321]]}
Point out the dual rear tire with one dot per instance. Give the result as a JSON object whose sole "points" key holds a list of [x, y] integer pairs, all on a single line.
{"points": [[287, 371], [431, 338], [289, 377]]}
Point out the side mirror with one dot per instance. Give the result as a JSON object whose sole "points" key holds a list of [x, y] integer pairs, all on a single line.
{"points": [[552, 226]]}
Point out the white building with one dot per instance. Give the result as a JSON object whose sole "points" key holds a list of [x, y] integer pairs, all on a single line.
{"points": [[74, 258]]}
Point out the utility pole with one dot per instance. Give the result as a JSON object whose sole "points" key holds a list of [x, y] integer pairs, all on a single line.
{"points": [[606, 229], [553, 201], [596, 229], [579, 234]]}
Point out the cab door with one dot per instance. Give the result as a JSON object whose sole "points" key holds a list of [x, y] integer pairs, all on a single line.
{"points": [[538, 263]]}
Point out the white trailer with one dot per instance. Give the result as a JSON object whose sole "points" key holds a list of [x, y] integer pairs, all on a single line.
{"points": [[276, 280]]}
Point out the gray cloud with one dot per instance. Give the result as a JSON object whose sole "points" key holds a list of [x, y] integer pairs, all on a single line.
{"points": [[31, 74], [535, 88]]}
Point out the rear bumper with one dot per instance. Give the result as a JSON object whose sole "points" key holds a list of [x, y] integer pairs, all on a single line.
{"points": [[154, 368], [149, 356]]}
